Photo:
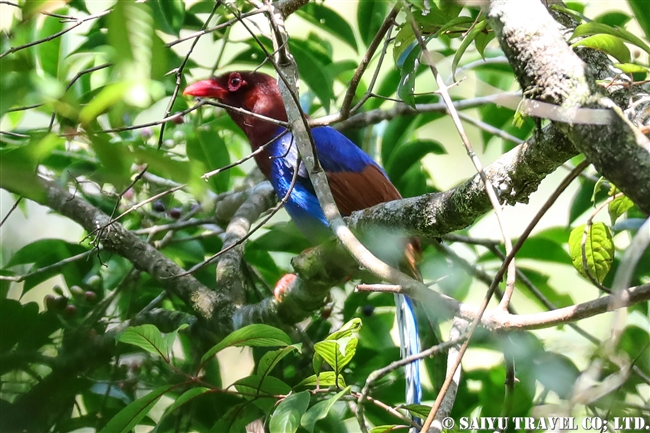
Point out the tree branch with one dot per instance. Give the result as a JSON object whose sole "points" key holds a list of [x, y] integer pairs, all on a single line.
{"points": [[548, 70]]}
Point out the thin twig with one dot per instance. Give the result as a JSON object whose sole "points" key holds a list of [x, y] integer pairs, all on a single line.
{"points": [[79, 21], [13, 208]]}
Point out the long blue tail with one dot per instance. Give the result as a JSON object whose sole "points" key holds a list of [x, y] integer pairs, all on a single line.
{"points": [[409, 345]]}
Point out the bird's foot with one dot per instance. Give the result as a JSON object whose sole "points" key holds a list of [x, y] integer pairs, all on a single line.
{"points": [[283, 285]]}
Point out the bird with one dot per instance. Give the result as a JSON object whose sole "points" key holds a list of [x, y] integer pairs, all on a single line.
{"points": [[356, 181]]}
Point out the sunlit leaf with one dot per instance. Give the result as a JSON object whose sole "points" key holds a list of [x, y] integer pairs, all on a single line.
{"points": [[612, 45], [598, 28], [147, 337], [323, 380], [256, 335], [599, 250]]}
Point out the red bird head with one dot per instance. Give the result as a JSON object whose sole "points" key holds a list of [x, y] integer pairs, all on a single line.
{"points": [[252, 91]]}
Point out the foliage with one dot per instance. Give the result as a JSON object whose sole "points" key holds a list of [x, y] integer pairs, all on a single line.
{"points": [[90, 99]]}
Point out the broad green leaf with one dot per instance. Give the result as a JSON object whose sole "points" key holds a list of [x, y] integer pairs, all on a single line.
{"points": [[347, 330], [631, 68], [173, 14], [283, 237], [209, 149], [593, 28], [130, 416], [458, 24], [478, 28], [329, 20], [109, 96], [271, 359], [418, 410], [256, 335], [312, 71], [188, 395], [640, 9], [49, 52], [613, 18], [323, 380], [408, 154], [286, 417], [320, 410], [370, 16], [612, 45], [47, 252], [619, 206], [599, 250], [18, 166], [237, 418], [147, 337], [481, 40], [337, 353], [262, 391]]}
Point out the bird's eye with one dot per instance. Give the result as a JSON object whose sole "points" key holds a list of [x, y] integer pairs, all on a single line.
{"points": [[235, 82]]}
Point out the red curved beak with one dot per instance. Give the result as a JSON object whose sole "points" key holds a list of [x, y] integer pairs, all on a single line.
{"points": [[206, 88]]}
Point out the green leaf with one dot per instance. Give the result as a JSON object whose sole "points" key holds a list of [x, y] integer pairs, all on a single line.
{"points": [[408, 73], [640, 9], [107, 98], [478, 28], [49, 53], [619, 206], [612, 45], [481, 41], [130, 416], [418, 410], [147, 337], [262, 391], [599, 250], [329, 20], [337, 353], [46, 252], [209, 149], [271, 359], [631, 68], [408, 154], [387, 428], [256, 335], [347, 330], [370, 16], [324, 379], [598, 28], [237, 418], [613, 18], [188, 395], [312, 71], [173, 13], [18, 166], [286, 417], [320, 410]]}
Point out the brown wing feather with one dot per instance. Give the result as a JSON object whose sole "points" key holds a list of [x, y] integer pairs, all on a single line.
{"points": [[356, 191]]}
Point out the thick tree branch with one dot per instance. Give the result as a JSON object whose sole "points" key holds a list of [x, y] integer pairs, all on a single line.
{"points": [[549, 70], [144, 256]]}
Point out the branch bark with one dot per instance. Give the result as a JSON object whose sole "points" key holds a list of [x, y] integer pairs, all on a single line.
{"points": [[548, 70]]}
